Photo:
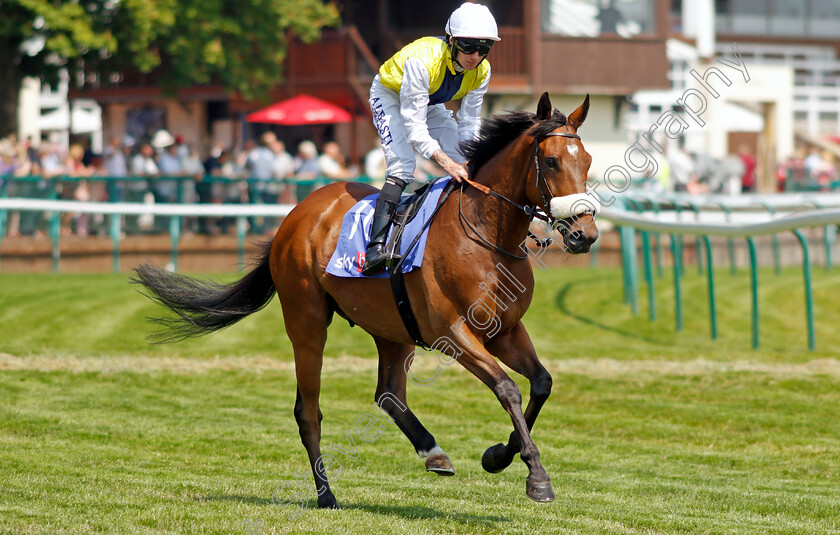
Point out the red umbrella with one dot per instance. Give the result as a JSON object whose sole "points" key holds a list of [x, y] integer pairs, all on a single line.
{"points": [[302, 109]]}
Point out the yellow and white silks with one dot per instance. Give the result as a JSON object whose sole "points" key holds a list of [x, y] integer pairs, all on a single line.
{"points": [[407, 100]]}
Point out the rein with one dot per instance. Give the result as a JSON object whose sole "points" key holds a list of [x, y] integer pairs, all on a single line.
{"points": [[531, 211]]}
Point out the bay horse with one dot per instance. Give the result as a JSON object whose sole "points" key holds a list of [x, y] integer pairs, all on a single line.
{"points": [[520, 161]]}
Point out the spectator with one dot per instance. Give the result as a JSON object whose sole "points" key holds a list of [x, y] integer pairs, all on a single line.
{"points": [[681, 169], [284, 168], [306, 162], [812, 163], [166, 186], [209, 190], [26, 223], [115, 159], [331, 163], [284, 164], [261, 171], [748, 182], [191, 166], [79, 191], [306, 168], [610, 17], [142, 165], [235, 192], [192, 169], [8, 159], [51, 164], [32, 153], [260, 164], [732, 168], [792, 175], [182, 147], [169, 165], [826, 172]]}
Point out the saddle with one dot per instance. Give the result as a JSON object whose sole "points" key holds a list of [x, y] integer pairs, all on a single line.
{"points": [[406, 211]]}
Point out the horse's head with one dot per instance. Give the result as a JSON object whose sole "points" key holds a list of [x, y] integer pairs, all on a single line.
{"points": [[561, 166]]}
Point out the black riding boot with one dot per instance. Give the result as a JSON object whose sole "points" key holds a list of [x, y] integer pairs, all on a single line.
{"points": [[376, 258]]}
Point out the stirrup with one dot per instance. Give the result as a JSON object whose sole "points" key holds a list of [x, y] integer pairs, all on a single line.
{"points": [[383, 260]]}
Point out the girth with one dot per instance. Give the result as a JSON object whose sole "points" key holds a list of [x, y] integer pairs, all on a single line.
{"points": [[406, 211]]}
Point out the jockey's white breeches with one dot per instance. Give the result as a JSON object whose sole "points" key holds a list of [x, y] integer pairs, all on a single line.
{"points": [[399, 154]]}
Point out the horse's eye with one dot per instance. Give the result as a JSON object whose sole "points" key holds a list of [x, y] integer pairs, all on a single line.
{"points": [[551, 163]]}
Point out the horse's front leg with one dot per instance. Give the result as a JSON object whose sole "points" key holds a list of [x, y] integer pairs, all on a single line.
{"points": [[515, 349], [481, 363], [391, 397]]}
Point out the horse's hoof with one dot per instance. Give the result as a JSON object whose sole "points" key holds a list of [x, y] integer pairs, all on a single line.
{"points": [[539, 491], [327, 502], [495, 459], [440, 464]]}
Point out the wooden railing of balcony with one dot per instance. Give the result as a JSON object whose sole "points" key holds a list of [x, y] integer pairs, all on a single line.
{"points": [[324, 60], [509, 59]]}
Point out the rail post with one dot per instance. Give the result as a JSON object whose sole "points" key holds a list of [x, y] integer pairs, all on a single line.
{"points": [[777, 264], [754, 290], [628, 257], [711, 279], [677, 297], [809, 301], [648, 276]]}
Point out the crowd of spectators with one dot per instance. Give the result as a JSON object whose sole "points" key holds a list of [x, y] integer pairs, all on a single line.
{"points": [[682, 171], [165, 169]]}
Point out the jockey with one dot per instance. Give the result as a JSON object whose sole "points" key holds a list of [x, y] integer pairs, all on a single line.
{"points": [[407, 99]]}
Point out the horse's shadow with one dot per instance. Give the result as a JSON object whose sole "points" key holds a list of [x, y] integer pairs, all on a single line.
{"points": [[407, 512], [560, 303], [421, 513]]}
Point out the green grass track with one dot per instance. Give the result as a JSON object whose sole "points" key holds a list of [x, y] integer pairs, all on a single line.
{"points": [[646, 431]]}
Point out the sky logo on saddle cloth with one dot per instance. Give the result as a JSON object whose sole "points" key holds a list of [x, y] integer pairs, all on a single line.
{"points": [[348, 258]]}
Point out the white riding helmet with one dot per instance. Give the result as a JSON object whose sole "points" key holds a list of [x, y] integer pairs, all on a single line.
{"points": [[472, 21]]}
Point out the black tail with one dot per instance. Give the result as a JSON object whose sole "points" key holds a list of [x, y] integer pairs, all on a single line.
{"points": [[203, 307]]}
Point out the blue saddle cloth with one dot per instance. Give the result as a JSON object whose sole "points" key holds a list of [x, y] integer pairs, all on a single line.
{"points": [[348, 258]]}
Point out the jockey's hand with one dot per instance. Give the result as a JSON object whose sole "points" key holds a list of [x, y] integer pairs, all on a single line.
{"points": [[457, 171]]}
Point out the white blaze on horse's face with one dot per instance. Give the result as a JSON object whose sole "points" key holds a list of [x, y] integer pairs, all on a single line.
{"points": [[570, 206]]}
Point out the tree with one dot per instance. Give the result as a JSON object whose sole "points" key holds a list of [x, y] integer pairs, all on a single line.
{"points": [[238, 44]]}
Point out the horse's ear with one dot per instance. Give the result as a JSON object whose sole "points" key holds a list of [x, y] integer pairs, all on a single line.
{"points": [[579, 115], [544, 107]]}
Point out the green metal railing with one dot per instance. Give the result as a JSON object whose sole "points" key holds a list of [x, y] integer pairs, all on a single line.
{"points": [[629, 223], [48, 193], [115, 211]]}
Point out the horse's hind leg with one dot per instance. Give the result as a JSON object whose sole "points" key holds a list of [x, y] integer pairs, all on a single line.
{"points": [[515, 349], [306, 325], [391, 397]]}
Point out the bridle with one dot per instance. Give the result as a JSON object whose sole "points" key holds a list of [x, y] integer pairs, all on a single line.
{"points": [[533, 212], [540, 178]]}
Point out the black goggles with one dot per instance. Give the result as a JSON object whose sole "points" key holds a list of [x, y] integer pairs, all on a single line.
{"points": [[471, 46]]}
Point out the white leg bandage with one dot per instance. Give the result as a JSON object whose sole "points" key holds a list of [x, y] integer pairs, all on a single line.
{"points": [[434, 451]]}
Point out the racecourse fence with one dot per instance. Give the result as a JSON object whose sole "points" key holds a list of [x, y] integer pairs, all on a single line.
{"points": [[730, 217], [187, 189]]}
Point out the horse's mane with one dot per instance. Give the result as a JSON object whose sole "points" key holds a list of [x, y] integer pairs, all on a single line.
{"points": [[499, 130]]}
